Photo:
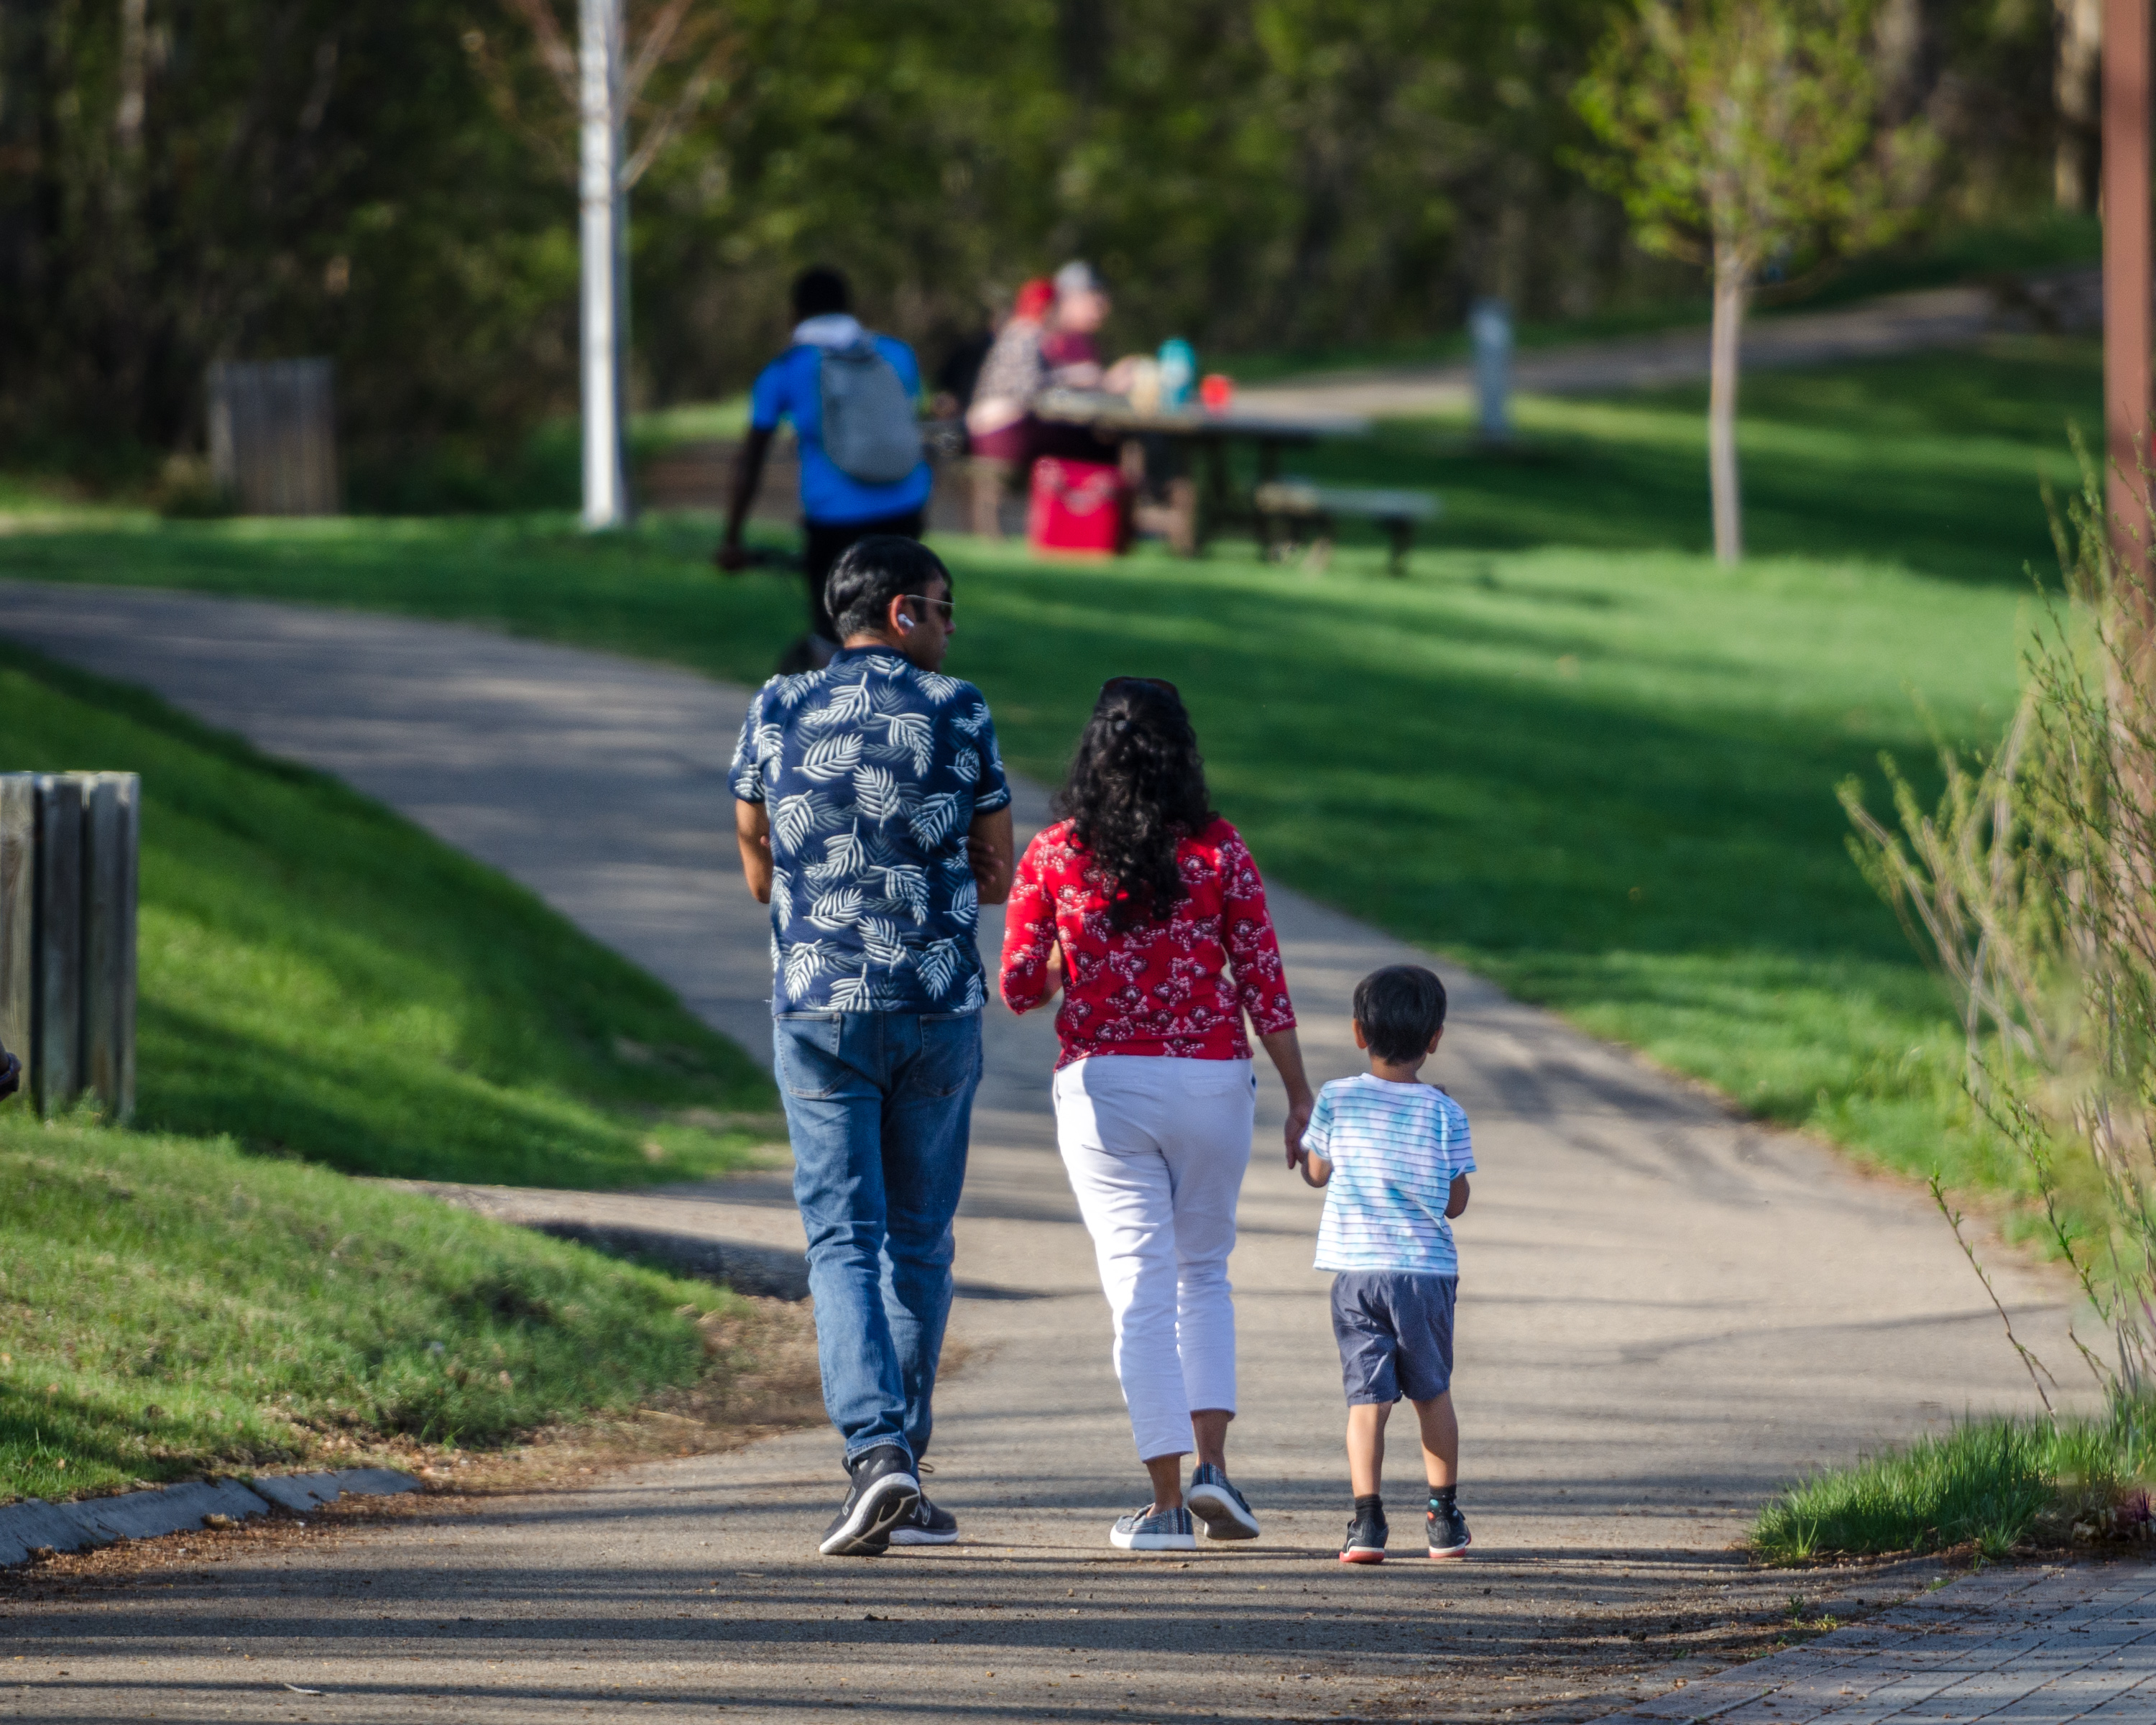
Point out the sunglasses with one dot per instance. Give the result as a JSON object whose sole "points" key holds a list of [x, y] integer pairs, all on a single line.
{"points": [[1117, 685], [922, 599]]}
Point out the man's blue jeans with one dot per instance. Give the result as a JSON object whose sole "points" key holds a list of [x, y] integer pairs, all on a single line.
{"points": [[878, 1106]]}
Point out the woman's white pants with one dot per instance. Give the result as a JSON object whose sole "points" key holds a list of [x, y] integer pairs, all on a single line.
{"points": [[1156, 1148]]}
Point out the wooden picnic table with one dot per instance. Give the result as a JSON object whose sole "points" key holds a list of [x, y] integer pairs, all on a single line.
{"points": [[1206, 498]]}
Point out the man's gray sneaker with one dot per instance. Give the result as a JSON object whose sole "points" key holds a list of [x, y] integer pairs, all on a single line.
{"points": [[1151, 1529], [884, 1491], [1224, 1511], [927, 1525]]}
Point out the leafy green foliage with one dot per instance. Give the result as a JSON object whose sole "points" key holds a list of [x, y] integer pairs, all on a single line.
{"points": [[1738, 128], [319, 978], [170, 1305], [2028, 885], [311, 178], [304, 177]]}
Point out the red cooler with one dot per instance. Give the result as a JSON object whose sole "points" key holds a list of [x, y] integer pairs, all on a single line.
{"points": [[1077, 506]]}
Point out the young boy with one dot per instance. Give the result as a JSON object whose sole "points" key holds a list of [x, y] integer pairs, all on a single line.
{"points": [[1394, 1157]]}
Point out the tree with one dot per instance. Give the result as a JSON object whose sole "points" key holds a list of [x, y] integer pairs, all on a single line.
{"points": [[2075, 60], [1741, 133], [248, 179]]}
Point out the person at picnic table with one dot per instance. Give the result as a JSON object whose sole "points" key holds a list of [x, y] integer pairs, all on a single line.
{"points": [[999, 423], [874, 819], [1143, 907], [874, 479], [1070, 347]]}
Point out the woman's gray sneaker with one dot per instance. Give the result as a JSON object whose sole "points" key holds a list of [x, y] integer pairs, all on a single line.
{"points": [[1153, 1530], [927, 1525], [884, 1491], [1225, 1511]]}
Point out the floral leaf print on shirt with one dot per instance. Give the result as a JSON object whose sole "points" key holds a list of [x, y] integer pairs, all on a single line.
{"points": [[1181, 988], [873, 771]]}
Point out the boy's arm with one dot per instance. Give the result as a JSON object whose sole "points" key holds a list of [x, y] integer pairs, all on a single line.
{"points": [[1457, 1201], [1314, 1168]]}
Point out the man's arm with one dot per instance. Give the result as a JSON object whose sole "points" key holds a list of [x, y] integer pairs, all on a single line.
{"points": [[748, 473], [1457, 1201], [990, 849], [752, 830]]}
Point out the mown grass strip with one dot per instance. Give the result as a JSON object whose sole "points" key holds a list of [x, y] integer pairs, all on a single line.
{"points": [[1992, 1485], [171, 1305], [320, 979]]}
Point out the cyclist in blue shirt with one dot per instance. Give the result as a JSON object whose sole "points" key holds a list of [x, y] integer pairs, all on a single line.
{"points": [[837, 507]]}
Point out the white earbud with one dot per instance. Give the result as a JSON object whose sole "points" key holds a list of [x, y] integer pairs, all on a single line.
{"points": [[905, 623]]}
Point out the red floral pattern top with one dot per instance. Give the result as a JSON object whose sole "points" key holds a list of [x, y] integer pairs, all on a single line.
{"points": [[1178, 988]]}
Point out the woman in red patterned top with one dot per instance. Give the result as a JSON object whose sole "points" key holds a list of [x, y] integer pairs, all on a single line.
{"points": [[1143, 907]]}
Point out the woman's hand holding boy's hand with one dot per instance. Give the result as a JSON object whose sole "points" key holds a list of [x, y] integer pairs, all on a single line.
{"points": [[1299, 1109], [1286, 1054]]}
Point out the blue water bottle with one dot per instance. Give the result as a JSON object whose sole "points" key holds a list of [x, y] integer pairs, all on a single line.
{"points": [[1178, 373]]}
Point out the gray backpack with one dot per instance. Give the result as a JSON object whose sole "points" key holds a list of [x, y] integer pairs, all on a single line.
{"points": [[870, 430]]}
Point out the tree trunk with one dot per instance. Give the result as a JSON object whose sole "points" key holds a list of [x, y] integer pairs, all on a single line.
{"points": [[2074, 64], [1730, 287]]}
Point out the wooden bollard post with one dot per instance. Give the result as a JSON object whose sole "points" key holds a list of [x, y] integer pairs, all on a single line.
{"points": [[68, 849], [110, 831], [18, 867], [55, 1063]]}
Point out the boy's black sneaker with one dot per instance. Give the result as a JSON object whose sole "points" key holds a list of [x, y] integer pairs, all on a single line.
{"points": [[1448, 1537], [884, 1491], [927, 1525], [1366, 1536]]}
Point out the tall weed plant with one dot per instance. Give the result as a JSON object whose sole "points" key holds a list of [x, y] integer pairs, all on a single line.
{"points": [[2031, 886]]}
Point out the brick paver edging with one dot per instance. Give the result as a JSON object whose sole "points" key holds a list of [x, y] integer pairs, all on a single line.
{"points": [[2021, 1645]]}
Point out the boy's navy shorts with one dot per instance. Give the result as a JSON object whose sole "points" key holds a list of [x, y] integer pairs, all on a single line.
{"points": [[1394, 1328]]}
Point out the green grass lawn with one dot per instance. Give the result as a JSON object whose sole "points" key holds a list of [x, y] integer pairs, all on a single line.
{"points": [[1930, 462], [170, 1305], [323, 982], [1989, 1485], [319, 978], [1568, 749]]}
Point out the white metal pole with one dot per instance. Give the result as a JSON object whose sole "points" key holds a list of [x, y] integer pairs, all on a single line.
{"points": [[599, 59]]}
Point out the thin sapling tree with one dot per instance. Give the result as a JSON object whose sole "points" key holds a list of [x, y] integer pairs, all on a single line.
{"points": [[1740, 134]]}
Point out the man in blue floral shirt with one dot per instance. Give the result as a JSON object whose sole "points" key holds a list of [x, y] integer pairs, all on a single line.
{"points": [[874, 820]]}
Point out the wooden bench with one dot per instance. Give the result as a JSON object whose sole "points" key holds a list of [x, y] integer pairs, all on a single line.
{"points": [[1286, 505]]}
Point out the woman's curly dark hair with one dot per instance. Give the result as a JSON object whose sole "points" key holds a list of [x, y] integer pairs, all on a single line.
{"points": [[1136, 787]]}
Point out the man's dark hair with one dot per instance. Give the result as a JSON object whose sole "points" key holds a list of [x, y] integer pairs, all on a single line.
{"points": [[819, 290], [871, 573], [1399, 1008]]}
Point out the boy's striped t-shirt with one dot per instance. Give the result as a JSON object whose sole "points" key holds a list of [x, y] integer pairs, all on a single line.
{"points": [[1394, 1150]]}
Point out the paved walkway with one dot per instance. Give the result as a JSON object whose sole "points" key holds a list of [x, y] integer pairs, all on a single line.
{"points": [[1892, 323], [1667, 1313], [2035, 1647]]}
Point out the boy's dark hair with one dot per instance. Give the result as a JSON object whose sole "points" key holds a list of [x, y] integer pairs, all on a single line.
{"points": [[1399, 1008], [871, 573], [820, 289]]}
